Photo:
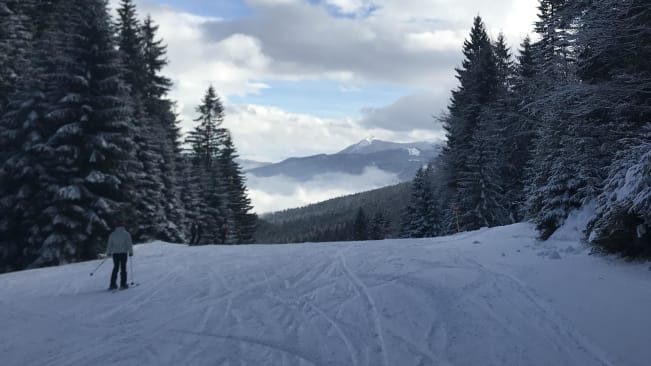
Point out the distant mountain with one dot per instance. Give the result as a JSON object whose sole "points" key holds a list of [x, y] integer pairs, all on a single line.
{"points": [[371, 145], [401, 159], [251, 164]]}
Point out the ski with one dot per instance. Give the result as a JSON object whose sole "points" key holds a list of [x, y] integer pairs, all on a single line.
{"points": [[124, 289]]}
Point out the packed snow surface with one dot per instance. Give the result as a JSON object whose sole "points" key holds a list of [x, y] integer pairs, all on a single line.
{"points": [[489, 297]]}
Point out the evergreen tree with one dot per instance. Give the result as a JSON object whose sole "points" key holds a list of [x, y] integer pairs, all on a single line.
{"points": [[149, 214], [554, 49], [131, 44], [553, 192], [240, 226], [623, 220], [379, 227], [479, 86], [161, 111], [19, 167], [15, 44], [616, 74], [206, 141], [70, 177], [422, 217], [481, 199], [504, 64], [360, 227], [514, 124]]}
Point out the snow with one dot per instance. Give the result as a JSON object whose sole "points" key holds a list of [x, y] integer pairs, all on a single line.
{"points": [[576, 223], [413, 151], [69, 193], [486, 297]]}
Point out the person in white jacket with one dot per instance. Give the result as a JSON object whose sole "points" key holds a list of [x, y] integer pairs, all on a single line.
{"points": [[119, 246]]}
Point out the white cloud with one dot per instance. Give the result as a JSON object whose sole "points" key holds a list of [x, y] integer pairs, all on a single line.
{"points": [[414, 44], [278, 193], [437, 40], [271, 134], [412, 112], [266, 133], [411, 43]]}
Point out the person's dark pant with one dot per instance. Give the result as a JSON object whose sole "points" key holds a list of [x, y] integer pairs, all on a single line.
{"points": [[119, 262]]}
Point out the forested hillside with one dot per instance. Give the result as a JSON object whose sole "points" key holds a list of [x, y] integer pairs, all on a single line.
{"points": [[334, 220], [89, 137], [565, 124]]}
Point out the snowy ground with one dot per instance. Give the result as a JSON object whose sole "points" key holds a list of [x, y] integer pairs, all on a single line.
{"points": [[490, 297]]}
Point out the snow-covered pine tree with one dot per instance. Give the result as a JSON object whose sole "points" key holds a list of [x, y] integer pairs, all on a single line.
{"points": [[190, 193], [554, 49], [23, 105], [78, 139], [240, 225], [614, 67], [479, 86], [623, 220], [15, 43], [503, 125], [553, 191], [206, 140], [481, 198], [408, 223], [421, 218], [148, 218], [161, 111], [131, 44]]}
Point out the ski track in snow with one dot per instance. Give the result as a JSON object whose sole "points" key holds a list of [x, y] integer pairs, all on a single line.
{"points": [[446, 301]]}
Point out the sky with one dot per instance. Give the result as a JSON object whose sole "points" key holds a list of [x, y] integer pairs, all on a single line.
{"points": [[303, 77]]}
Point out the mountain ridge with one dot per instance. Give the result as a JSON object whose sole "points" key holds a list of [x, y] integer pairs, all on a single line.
{"points": [[401, 159]]}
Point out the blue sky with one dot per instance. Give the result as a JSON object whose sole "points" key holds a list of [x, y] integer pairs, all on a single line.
{"points": [[323, 98], [227, 9]]}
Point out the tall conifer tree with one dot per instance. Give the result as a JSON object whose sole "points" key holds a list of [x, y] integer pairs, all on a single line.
{"points": [[207, 141], [73, 172], [240, 225], [479, 86], [148, 215]]}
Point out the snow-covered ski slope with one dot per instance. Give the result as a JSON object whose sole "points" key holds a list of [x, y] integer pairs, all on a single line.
{"points": [[489, 297]]}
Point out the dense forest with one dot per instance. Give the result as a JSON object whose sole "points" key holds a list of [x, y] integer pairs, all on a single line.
{"points": [[89, 138], [563, 126], [337, 218]]}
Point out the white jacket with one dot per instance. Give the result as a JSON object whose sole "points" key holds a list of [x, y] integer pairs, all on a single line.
{"points": [[119, 242]]}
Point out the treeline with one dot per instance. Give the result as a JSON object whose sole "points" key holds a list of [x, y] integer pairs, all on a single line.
{"points": [[338, 219], [89, 136], [564, 125]]}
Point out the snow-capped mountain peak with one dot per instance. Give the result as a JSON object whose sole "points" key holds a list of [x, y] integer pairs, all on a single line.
{"points": [[372, 145], [361, 146], [367, 141]]}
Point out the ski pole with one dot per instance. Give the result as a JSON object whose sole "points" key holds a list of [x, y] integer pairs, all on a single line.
{"points": [[100, 264], [131, 269]]}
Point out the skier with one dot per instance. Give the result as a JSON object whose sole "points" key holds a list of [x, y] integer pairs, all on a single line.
{"points": [[119, 245]]}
